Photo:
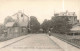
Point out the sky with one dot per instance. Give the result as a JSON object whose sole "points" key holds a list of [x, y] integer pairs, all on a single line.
{"points": [[42, 9]]}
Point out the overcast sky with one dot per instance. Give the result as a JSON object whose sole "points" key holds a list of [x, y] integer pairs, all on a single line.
{"points": [[42, 9]]}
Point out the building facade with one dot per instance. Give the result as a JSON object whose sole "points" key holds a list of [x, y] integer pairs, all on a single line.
{"points": [[19, 26], [70, 15]]}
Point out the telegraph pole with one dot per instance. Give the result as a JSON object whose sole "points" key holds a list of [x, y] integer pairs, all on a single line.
{"points": [[63, 5]]}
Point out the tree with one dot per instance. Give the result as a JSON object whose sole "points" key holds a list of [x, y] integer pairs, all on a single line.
{"points": [[61, 24], [2, 27], [8, 19], [58, 24], [46, 25], [34, 24]]}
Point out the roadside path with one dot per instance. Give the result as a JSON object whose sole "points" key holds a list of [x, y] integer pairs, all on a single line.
{"points": [[64, 45]]}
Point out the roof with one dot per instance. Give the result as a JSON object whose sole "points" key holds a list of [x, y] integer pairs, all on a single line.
{"points": [[10, 24], [23, 24], [77, 28], [21, 18], [66, 14], [17, 15]]}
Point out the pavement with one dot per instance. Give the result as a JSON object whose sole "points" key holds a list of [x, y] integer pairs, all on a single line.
{"points": [[36, 42], [64, 45], [9, 42]]}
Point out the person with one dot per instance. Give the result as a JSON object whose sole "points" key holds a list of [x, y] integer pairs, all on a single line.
{"points": [[49, 33]]}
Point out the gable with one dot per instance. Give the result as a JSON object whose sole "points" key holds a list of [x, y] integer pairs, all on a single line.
{"points": [[21, 18]]}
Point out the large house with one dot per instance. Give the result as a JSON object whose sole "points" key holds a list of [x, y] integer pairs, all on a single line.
{"points": [[19, 26], [21, 18], [70, 15]]}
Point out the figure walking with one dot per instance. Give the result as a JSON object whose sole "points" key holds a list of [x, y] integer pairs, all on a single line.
{"points": [[49, 33]]}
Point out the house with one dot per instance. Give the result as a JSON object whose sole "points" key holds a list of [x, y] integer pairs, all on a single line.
{"points": [[75, 32], [19, 26], [70, 15], [12, 29], [22, 19]]}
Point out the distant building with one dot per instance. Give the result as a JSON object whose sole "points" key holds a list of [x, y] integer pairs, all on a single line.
{"points": [[19, 26], [70, 15]]}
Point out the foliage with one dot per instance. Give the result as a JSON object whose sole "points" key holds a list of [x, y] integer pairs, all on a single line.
{"points": [[2, 27], [57, 25], [61, 24], [8, 19], [34, 24], [46, 25]]}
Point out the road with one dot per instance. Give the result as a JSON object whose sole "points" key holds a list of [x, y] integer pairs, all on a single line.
{"points": [[35, 42]]}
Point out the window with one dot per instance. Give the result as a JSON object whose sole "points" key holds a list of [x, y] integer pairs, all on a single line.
{"points": [[21, 15]]}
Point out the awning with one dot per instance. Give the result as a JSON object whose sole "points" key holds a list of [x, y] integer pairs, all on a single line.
{"points": [[77, 29]]}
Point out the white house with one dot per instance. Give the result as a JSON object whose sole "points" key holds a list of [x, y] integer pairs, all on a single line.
{"points": [[21, 18], [19, 26]]}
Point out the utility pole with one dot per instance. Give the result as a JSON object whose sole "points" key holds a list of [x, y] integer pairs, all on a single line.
{"points": [[63, 5]]}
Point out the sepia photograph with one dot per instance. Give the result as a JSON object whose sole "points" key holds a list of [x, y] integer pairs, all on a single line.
{"points": [[39, 25]]}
